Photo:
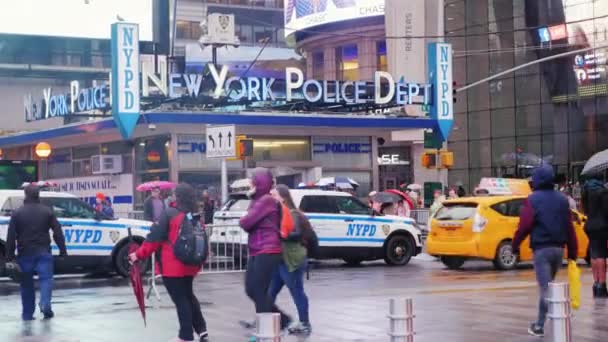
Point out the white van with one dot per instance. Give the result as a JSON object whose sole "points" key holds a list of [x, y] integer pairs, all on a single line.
{"points": [[347, 228], [92, 244]]}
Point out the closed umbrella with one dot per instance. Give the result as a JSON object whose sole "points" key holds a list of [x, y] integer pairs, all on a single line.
{"points": [[596, 164], [136, 281]]}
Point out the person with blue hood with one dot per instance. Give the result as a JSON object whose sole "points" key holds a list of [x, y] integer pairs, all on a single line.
{"points": [[546, 217], [262, 224], [595, 206]]}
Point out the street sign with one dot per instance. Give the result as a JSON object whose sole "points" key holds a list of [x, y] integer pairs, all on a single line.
{"points": [[440, 76], [221, 142]]}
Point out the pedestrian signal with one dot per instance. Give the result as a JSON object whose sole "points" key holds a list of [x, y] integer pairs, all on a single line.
{"points": [[429, 159], [245, 148]]}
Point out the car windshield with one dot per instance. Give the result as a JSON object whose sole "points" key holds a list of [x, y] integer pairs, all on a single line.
{"points": [[237, 203], [69, 207], [456, 211]]}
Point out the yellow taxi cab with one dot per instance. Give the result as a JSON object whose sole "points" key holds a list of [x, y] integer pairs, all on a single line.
{"points": [[483, 228]]}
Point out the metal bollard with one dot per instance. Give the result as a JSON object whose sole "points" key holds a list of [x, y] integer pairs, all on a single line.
{"points": [[560, 312], [268, 327], [401, 320]]}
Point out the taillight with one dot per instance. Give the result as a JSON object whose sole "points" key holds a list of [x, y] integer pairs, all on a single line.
{"points": [[479, 223]]}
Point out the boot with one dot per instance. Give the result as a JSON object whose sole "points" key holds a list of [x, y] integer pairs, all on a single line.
{"points": [[595, 290], [602, 291]]}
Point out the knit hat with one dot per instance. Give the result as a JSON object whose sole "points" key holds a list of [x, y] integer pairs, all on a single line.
{"points": [[100, 196]]}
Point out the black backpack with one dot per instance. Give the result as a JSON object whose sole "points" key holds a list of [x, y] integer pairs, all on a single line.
{"points": [[192, 244]]}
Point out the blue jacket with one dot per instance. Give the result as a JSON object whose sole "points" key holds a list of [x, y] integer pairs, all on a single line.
{"points": [[546, 216]]}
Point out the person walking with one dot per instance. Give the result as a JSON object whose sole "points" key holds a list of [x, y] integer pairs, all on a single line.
{"points": [[177, 277], [154, 206], [262, 223], [547, 218], [208, 207], [28, 233], [291, 271], [595, 206]]}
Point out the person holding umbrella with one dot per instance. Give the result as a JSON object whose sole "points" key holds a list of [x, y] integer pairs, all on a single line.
{"points": [[154, 206], [177, 277], [595, 206]]}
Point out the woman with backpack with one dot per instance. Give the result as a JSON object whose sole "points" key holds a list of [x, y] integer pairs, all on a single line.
{"points": [[178, 277], [262, 224], [295, 263]]}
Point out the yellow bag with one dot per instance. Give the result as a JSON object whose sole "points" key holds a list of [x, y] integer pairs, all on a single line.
{"points": [[574, 279]]}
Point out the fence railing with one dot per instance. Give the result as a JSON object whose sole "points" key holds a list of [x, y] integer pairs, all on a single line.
{"points": [[421, 216]]}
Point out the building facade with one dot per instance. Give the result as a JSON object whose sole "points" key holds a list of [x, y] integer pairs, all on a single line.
{"points": [[554, 112]]}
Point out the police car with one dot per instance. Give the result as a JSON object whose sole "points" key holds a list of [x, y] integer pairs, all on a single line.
{"points": [[92, 243], [347, 228]]}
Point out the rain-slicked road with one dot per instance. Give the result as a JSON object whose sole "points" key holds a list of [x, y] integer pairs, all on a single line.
{"points": [[347, 304]]}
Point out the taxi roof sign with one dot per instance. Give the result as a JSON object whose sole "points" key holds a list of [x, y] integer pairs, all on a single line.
{"points": [[505, 186]]}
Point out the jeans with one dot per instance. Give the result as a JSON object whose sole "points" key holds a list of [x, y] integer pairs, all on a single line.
{"points": [[41, 264], [188, 307], [260, 269], [547, 262], [295, 283]]}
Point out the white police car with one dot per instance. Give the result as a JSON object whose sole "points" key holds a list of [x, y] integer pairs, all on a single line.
{"points": [[92, 244], [347, 228]]}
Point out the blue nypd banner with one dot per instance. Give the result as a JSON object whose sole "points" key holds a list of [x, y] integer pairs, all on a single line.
{"points": [[440, 77], [125, 77]]}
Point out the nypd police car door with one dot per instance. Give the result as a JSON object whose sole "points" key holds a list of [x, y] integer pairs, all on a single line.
{"points": [[322, 211], [359, 228], [84, 235]]}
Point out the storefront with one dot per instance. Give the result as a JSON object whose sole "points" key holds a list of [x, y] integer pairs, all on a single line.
{"points": [[172, 146]]}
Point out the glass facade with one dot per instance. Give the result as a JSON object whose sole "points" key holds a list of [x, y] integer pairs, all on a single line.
{"points": [[554, 112], [347, 63]]}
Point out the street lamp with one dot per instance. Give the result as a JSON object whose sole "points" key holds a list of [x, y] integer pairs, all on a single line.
{"points": [[43, 150]]}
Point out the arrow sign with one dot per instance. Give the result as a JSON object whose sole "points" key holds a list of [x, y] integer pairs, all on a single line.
{"points": [[221, 142]]}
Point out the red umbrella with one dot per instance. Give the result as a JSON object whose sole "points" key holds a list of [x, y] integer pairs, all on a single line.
{"points": [[162, 185], [136, 282], [404, 196]]}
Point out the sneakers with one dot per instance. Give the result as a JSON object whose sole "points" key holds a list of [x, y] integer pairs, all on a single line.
{"points": [[247, 325], [177, 339], [301, 329], [48, 315], [536, 330], [204, 336]]}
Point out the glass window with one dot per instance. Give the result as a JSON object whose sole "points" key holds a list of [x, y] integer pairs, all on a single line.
{"points": [[85, 152], [509, 208], [60, 164], [351, 205], [460, 176], [318, 65], [503, 152], [480, 153], [11, 204], [319, 204], [347, 63], [152, 153], [527, 89], [381, 59], [261, 33], [502, 93], [528, 120], [456, 211], [119, 147], [503, 123], [582, 145], [554, 118], [460, 150], [281, 149], [82, 168], [66, 207], [479, 125], [459, 132]]}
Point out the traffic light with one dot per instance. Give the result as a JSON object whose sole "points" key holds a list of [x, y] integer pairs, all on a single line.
{"points": [[447, 159], [454, 85], [429, 159], [245, 148]]}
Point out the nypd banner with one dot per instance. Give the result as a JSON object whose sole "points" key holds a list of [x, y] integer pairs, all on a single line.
{"points": [[125, 77], [440, 77]]}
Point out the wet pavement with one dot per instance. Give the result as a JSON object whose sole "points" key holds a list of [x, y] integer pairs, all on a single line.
{"points": [[347, 304]]}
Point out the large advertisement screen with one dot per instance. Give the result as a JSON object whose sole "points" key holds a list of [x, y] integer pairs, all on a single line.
{"points": [[303, 14], [14, 173], [74, 18]]}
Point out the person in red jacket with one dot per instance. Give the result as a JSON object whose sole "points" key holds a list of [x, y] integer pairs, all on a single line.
{"points": [[177, 277]]}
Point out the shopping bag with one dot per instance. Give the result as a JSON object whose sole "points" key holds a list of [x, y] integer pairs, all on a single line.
{"points": [[574, 279]]}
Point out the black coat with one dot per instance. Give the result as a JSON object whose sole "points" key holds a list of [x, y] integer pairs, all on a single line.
{"points": [[595, 206], [29, 228], [149, 208]]}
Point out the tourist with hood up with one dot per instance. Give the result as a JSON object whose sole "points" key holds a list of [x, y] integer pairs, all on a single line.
{"points": [[103, 206], [262, 224], [595, 206], [547, 219]]}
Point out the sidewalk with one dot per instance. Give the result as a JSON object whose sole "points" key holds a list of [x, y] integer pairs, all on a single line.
{"points": [[347, 304]]}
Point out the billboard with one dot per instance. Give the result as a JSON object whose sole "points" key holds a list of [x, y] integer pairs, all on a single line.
{"points": [[74, 18], [303, 14]]}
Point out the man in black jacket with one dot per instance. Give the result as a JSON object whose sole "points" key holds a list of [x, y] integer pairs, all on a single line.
{"points": [[29, 229]]}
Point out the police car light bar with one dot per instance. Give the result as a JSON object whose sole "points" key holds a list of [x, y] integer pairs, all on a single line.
{"points": [[43, 185]]}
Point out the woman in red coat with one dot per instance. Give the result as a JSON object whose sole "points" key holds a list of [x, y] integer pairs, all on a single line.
{"points": [[177, 277]]}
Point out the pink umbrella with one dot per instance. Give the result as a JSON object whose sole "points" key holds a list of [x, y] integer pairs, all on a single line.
{"points": [[162, 185]]}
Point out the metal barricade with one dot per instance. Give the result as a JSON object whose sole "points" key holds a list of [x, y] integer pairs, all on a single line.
{"points": [[421, 216], [228, 244], [136, 215]]}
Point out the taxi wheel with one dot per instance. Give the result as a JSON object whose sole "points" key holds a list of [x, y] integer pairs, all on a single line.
{"points": [[453, 262], [121, 262], [399, 250], [505, 259]]}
